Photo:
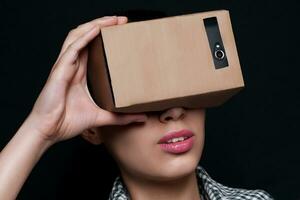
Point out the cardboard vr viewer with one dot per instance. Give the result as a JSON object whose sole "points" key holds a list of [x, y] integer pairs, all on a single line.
{"points": [[181, 61]]}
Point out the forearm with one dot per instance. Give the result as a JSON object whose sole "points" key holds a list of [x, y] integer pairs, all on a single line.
{"points": [[18, 158]]}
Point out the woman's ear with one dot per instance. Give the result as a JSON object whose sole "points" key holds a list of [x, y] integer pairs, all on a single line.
{"points": [[92, 135]]}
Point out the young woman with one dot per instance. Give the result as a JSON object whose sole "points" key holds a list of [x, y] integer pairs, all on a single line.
{"points": [[149, 169]]}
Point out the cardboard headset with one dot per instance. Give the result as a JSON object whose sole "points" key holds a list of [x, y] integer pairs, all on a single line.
{"points": [[187, 61]]}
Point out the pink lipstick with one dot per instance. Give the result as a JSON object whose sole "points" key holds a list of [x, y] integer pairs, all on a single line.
{"points": [[177, 142]]}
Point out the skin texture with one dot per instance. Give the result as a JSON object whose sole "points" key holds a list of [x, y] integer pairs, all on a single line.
{"points": [[146, 169], [64, 109]]}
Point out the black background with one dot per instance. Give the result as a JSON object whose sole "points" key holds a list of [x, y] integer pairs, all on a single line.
{"points": [[252, 141]]}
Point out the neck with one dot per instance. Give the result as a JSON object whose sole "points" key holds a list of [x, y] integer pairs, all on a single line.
{"points": [[180, 189]]}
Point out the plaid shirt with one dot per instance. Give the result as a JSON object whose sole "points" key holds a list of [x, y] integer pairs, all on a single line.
{"points": [[208, 188]]}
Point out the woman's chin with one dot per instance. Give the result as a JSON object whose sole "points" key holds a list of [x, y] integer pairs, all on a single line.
{"points": [[175, 169]]}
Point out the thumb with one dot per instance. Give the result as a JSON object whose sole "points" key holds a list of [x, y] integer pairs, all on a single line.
{"points": [[105, 117]]}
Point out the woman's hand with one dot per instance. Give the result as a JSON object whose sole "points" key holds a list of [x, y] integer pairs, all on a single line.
{"points": [[64, 107], [63, 110]]}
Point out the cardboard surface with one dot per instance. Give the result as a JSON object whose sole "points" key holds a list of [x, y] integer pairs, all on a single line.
{"points": [[162, 63]]}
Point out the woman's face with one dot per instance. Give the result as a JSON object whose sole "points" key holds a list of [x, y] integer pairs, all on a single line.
{"points": [[136, 150]]}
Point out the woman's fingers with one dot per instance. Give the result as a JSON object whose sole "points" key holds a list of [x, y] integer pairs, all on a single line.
{"points": [[81, 29], [121, 20], [71, 66], [69, 62], [81, 73]]}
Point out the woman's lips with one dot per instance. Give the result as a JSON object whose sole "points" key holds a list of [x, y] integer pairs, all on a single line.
{"points": [[173, 143]]}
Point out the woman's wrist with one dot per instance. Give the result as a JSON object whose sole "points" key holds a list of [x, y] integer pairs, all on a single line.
{"points": [[30, 130], [18, 158]]}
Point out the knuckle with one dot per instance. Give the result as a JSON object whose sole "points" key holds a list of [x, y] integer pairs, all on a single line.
{"points": [[72, 47]]}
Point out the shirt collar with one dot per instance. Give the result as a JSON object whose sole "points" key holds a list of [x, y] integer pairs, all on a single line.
{"points": [[208, 189], [120, 192]]}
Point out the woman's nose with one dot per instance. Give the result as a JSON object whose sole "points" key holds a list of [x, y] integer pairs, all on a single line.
{"points": [[175, 113]]}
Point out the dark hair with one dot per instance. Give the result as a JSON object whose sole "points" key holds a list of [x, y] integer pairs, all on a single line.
{"points": [[141, 14]]}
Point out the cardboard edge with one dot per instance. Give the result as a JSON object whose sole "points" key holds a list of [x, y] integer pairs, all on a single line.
{"points": [[100, 80], [204, 100]]}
